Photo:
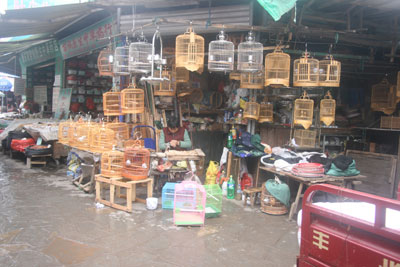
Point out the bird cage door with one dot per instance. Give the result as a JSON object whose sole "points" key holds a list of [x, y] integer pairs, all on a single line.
{"points": [[277, 68], [303, 111], [327, 109], [190, 51], [329, 73]]}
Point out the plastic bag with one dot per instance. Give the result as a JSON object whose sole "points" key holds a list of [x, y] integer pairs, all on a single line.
{"points": [[212, 171]]}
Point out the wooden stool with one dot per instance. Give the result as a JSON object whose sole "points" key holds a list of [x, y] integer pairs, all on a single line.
{"points": [[30, 161], [252, 193]]}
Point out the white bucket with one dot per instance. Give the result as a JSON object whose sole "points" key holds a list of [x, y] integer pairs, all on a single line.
{"points": [[151, 203]]}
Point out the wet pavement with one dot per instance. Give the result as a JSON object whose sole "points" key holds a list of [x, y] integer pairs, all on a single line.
{"points": [[47, 221]]}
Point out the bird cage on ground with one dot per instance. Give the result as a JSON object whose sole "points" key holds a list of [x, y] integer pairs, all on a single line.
{"points": [[327, 109], [136, 163], [252, 80], [251, 110], [305, 138], [132, 100], [277, 68], [180, 75], [305, 71], [271, 205], [266, 112], [120, 129], [221, 54], [105, 62], [139, 56], [189, 51], [189, 204], [168, 192], [250, 55], [83, 135], [383, 97], [329, 72], [235, 75], [63, 131], [213, 200], [112, 103], [121, 60], [112, 163], [102, 139], [166, 87], [303, 111]]}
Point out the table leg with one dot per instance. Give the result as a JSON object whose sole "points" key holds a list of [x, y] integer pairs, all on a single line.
{"points": [[257, 174], [150, 189], [293, 208]]}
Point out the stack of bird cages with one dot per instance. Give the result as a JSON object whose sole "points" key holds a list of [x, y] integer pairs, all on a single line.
{"points": [[102, 139], [252, 80], [121, 60], [139, 56], [277, 68], [63, 131], [221, 54], [112, 103], [235, 76], [266, 112], [390, 122], [271, 205], [105, 62], [303, 111], [327, 109], [305, 138], [132, 100], [213, 200], [306, 71], [83, 134], [329, 72], [112, 163], [383, 97], [189, 204], [168, 192], [136, 163], [166, 87], [251, 110], [71, 133], [190, 51], [120, 129], [250, 55]]}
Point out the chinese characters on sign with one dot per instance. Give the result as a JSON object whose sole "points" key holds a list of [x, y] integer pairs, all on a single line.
{"points": [[321, 240], [39, 53]]}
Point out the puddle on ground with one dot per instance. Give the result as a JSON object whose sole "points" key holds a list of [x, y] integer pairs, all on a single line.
{"points": [[9, 236], [207, 231]]}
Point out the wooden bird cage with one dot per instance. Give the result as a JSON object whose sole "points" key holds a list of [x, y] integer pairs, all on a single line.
{"points": [[71, 134], [132, 100], [136, 163], [235, 75], [139, 56], [271, 205], [305, 71], [221, 54], [112, 163], [121, 60], [63, 131], [252, 80], [251, 110], [112, 103], [190, 51], [105, 62], [83, 134], [250, 55], [180, 75], [305, 138], [102, 140], [166, 87], [303, 111], [120, 129], [383, 97], [266, 112], [277, 68], [329, 72], [327, 109]]}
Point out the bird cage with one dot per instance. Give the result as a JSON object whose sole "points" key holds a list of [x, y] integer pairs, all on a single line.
{"points": [[277, 68], [305, 71], [167, 195], [120, 129], [102, 139], [180, 75], [83, 135], [132, 100], [383, 97], [266, 112], [140, 55], [251, 110], [112, 103], [221, 54], [329, 72], [250, 55], [213, 200], [166, 87], [303, 111], [327, 109], [105, 62], [121, 60], [112, 163], [71, 133], [136, 163], [189, 49], [235, 75], [189, 203], [63, 131], [252, 80], [271, 205], [305, 138]]}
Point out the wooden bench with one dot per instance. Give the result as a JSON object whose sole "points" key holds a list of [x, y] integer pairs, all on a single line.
{"points": [[252, 193], [39, 160]]}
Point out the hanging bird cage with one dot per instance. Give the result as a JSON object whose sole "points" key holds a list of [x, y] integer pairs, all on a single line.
{"points": [[250, 55], [121, 60], [112, 163], [189, 49], [180, 75], [383, 97], [105, 62], [221, 54], [120, 129], [83, 135], [266, 112], [303, 111], [329, 72], [112, 103], [103, 139], [277, 68], [235, 75], [132, 100], [251, 110], [252, 80], [167, 87], [305, 138], [63, 131], [305, 71], [327, 109], [140, 56], [136, 163]]}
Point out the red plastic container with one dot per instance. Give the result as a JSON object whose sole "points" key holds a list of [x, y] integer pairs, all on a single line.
{"points": [[20, 145]]}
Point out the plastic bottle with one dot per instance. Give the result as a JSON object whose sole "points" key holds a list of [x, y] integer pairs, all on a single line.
{"points": [[230, 141], [225, 188], [233, 130], [238, 195], [231, 188]]}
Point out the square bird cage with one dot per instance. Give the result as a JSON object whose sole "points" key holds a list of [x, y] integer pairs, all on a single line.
{"points": [[132, 100], [112, 103], [63, 131], [190, 51], [105, 62], [121, 60], [266, 112], [303, 111], [305, 71], [83, 134], [250, 55], [71, 133], [112, 163], [140, 56], [213, 200], [136, 163], [166, 87], [221, 54], [180, 75], [102, 140], [251, 111], [252, 80], [168, 192], [383, 97], [120, 129], [329, 72], [235, 76], [277, 68], [305, 138], [327, 109]]}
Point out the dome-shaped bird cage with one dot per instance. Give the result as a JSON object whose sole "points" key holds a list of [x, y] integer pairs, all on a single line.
{"points": [[103, 139], [83, 135], [251, 110], [120, 129], [235, 76], [105, 62], [132, 100], [252, 80], [112, 103], [180, 75], [189, 49], [63, 131], [303, 111], [277, 68], [266, 112], [221, 54], [305, 71], [250, 55], [383, 97], [327, 109], [121, 60], [329, 72], [166, 87], [112, 163], [136, 163], [140, 56]]}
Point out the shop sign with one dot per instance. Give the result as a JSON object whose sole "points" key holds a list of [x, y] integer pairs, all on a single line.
{"points": [[20, 4], [39, 53], [88, 39]]}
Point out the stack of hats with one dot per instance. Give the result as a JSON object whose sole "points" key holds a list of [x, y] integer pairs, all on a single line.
{"points": [[308, 170]]}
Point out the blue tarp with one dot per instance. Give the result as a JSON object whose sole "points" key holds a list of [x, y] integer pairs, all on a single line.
{"points": [[277, 8]]}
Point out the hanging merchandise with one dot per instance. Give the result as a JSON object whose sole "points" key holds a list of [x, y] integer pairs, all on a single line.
{"points": [[383, 97], [121, 60], [190, 51], [250, 55], [120, 129], [277, 68], [112, 163], [105, 62], [221, 54], [180, 75], [252, 80], [329, 72], [166, 87], [303, 111], [305, 138], [266, 112], [235, 75], [305, 71], [327, 109], [112, 103], [140, 55], [251, 110], [132, 100]]}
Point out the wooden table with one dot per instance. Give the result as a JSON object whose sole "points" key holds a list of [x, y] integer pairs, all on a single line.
{"points": [[343, 181]]}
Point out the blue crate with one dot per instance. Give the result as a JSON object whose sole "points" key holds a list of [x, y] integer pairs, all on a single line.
{"points": [[168, 192]]}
